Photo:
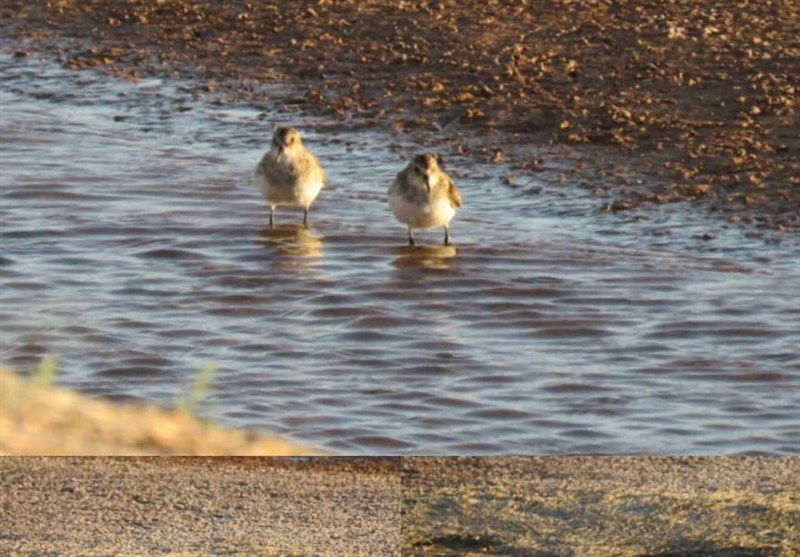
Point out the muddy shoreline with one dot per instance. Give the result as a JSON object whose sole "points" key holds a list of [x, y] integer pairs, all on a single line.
{"points": [[666, 102]]}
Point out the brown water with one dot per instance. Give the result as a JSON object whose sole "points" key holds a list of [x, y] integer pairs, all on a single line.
{"points": [[134, 248]]}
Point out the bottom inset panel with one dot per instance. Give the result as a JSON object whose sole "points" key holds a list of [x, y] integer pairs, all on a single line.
{"points": [[386, 507]]}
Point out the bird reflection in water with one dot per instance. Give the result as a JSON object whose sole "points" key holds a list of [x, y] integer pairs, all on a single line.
{"points": [[293, 240], [425, 257]]}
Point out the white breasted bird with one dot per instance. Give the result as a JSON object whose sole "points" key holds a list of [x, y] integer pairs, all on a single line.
{"points": [[423, 196], [288, 174]]}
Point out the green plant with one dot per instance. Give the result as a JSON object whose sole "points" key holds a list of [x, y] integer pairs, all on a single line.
{"points": [[203, 383], [45, 373]]}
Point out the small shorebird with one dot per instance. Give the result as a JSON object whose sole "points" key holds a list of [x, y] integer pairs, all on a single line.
{"points": [[288, 174], [423, 196]]}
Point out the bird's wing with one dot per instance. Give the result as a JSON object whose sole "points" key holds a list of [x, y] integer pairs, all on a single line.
{"points": [[260, 170], [268, 166], [318, 168], [453, 193]]}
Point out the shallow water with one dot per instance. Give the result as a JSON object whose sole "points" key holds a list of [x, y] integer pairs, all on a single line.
{"points": [[134, 248]]}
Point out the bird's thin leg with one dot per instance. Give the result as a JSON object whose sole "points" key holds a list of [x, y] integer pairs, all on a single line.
{"points": [[411, 237], [305, 217], [272, 216], [446, 236]]}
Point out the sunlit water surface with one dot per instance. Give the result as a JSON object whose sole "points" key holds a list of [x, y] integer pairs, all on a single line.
{"points": [[134, 248]]}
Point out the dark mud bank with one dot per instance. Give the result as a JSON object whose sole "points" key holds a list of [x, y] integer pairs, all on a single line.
{"points": [[699, 98]]}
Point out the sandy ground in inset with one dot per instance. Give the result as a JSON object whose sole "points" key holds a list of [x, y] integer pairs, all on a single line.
{"points": [[600, 506], [199, 506]]}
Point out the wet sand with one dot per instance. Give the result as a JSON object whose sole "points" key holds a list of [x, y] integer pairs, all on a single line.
{"points": [[667, 101], [598, 506]]}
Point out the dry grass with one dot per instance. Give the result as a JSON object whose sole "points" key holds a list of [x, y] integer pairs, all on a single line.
{"points": [[37, 418]]}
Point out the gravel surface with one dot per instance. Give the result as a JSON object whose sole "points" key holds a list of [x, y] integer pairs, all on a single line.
{"points": [[199, 506]]}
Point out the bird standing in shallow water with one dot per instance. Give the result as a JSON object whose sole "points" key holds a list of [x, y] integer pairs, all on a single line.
{"points": [[288, 174], [423, 196]]}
